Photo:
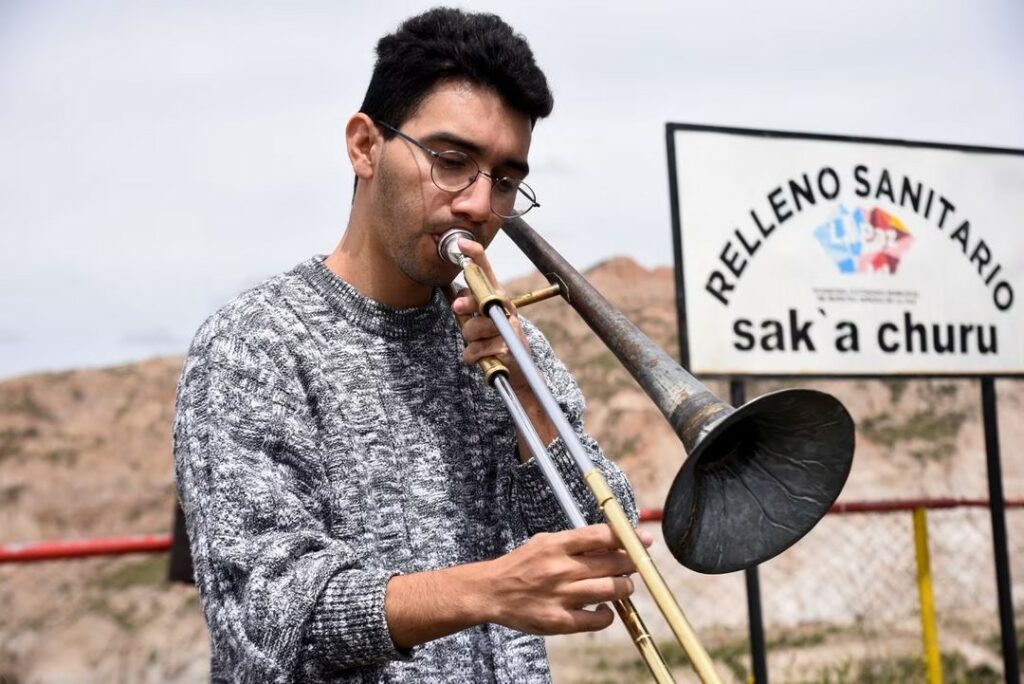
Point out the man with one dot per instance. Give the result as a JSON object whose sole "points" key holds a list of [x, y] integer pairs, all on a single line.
{"points": [[358, 503]]}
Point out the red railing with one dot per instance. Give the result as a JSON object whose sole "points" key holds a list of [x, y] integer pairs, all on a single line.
{"points": [[81, 548], [883, 506], [29, 552]]}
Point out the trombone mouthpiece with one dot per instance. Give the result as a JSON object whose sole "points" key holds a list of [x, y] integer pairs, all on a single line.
{"points": [[448, 245]]}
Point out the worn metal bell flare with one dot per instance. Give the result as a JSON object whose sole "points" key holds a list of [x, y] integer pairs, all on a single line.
{"points": [[757, 479]]}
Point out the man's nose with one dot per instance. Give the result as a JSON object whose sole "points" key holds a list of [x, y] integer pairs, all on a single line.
{"points": [[474, 201]]}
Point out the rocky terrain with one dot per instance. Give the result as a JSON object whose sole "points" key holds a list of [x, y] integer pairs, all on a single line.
{"points": [[86, 453]]}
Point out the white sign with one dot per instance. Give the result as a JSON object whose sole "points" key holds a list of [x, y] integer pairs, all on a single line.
{"points": [[820, 255]]}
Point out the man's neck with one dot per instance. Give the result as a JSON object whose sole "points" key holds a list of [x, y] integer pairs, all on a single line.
{"points": [[360, 262]]}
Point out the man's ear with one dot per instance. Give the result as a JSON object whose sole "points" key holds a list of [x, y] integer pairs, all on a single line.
{"points": [[363, 141]]}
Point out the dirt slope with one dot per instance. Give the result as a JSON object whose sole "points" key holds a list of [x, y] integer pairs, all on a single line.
{"points": [[86, 453]]}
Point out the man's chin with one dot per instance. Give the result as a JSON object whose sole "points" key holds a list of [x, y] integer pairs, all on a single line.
{"points": [[444, 280], [440, 276]]}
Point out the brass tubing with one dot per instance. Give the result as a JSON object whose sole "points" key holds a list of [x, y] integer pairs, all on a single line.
{"points": [[662, 595], [535, 296], [489, 365], [682, 399], [779, 461], [481, 287], [643, 641]]}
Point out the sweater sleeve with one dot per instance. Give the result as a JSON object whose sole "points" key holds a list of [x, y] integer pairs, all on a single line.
{"points": [[281, 595], [537, 503]]}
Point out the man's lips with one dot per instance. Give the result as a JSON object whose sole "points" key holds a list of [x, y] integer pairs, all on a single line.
{"points": [[436, 237]]}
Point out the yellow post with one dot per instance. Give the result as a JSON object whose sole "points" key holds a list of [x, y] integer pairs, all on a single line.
{"points": [[933, 664]]}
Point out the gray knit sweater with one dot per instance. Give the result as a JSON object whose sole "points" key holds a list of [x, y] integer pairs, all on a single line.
{"points": [[324, 443]]}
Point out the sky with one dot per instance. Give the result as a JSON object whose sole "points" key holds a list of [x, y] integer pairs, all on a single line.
{"points": [[158, 158]]}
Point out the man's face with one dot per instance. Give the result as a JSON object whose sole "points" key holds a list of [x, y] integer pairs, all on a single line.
{"points": [[412, 211]]}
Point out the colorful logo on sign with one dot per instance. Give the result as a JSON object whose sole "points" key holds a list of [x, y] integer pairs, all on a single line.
{"points": [[864, 240]]}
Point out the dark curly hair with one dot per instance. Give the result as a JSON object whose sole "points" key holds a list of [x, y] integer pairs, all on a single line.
{"points": [[445, 43]]}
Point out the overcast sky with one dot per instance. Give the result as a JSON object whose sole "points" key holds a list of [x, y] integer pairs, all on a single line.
{"points": [[157, 158]]}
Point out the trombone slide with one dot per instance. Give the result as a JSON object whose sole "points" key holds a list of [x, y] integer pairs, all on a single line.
{"points": [[496, 375], [613, 511]]}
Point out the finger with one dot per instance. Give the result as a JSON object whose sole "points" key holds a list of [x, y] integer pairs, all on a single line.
{"points": [[494, 347], [465, 303], [480, 328], [645, 537], [589, 538], [581, 620], [483, 328], [470, 248], [599, 590], [475, 251], [604, 565], [513, 320]]}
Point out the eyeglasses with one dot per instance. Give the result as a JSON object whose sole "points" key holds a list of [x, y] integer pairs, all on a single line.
{"points": [[454, 171]]}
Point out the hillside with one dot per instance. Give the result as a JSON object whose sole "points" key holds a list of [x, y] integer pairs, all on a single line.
{"points": [[87, 453]]}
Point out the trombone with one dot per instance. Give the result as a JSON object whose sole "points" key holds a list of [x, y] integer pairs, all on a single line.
{"points": [[755, 481]]}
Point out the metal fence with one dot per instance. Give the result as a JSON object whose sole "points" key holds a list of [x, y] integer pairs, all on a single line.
{"points": [[847, 607]]}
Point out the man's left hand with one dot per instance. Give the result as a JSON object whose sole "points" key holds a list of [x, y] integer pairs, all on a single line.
{"points": [[483, 340]]}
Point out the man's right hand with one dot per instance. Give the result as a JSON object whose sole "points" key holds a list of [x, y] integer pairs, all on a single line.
{"points": [[543, 586]]}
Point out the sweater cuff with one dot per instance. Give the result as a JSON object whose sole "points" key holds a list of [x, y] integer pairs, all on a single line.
{"points": [[349, 627], [536, 499]]}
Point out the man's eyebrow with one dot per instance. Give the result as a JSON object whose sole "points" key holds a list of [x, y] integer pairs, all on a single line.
{"points": [[447, 138]]}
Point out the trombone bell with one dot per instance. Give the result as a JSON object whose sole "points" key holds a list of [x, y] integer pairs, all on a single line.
{"points": [[757, 480]]}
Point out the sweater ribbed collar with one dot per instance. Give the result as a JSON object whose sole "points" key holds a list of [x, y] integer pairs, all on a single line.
{"points": [[370, 315]]}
